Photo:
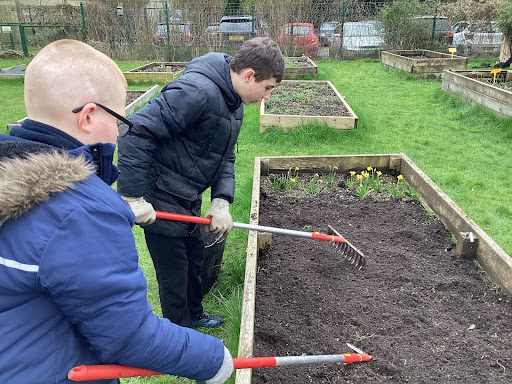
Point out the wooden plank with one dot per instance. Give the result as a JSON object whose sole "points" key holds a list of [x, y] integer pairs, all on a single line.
{"points": [[496, 99], [246, 340], [289, 122], [344, 163]]}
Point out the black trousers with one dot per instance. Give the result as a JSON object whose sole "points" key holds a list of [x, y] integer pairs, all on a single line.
{"points": [[178, 262]]}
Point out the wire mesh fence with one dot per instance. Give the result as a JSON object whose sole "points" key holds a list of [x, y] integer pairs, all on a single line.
{"points": [[178, 30]]}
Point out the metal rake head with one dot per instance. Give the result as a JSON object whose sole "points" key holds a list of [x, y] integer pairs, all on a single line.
{"points": [[351, 253]]}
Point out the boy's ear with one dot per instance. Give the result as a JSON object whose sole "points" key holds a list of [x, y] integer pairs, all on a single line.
{"points": [[248, 75], [85, 118]]}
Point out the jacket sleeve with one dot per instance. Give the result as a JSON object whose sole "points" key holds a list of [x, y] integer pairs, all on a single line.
{"points": [[179, 105], [96, 281], [224, 186]]}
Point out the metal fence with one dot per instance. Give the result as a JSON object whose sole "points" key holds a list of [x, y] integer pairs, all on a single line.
{"points": [[178, 30]]}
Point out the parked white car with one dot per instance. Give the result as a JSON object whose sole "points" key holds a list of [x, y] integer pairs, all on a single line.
{"points": [[363, 37], [477, 37]]}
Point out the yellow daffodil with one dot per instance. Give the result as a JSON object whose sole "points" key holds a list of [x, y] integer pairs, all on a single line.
{"points": [[352, 173], [296, 168], [359, 177], [365, 174], [369, 168], [292, 180], [379, 173], [400, 177]]}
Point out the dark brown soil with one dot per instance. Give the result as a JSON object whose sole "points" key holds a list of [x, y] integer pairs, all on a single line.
{"points": [[424, 314], [303, 98], [131, 96]]}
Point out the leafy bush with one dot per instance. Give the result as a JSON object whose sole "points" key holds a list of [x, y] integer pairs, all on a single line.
{"points": [[505, 19], [401, 31]]}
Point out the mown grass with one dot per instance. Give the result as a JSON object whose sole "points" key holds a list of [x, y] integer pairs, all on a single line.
{"points": [[464, 149]]}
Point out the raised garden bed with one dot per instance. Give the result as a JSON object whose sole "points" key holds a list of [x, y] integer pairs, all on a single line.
{"points": [[294, 103], [421, 306], [478, 87], [15, 72], [299, 67], [134, 100], [162, 72], [423, 63]]}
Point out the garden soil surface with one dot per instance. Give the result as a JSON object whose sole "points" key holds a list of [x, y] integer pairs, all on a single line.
{"points": [[305, 98], [424, 314]]}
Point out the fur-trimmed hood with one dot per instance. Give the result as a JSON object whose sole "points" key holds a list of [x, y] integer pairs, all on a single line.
{"points": [[28, 179]]}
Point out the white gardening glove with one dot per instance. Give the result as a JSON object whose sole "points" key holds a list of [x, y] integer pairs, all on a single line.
{"points": [[222, 223], [143, 211], [225, 371]]}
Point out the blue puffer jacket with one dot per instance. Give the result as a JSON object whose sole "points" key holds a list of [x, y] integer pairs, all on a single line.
{"points": [[71, 289], [183, 143]]}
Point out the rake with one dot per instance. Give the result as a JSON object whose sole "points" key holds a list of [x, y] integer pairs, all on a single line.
{"points": [[350, 252], [112, 371]]}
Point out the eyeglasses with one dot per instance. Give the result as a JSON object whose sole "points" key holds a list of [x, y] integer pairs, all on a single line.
{"points": [[123, 124]]}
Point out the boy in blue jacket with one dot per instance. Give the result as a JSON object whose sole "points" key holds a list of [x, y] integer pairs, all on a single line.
{"points": [[182, 143], [71, 289]]}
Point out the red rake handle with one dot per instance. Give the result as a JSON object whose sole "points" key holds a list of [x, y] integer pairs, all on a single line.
{"points": [[103, 372], [252, 227]]}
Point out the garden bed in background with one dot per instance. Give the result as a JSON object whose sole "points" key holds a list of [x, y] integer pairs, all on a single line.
{"points": [[162, 72], [299, 67], [422, 306], [15, 72], [423, 63], [299, 102], [478, 87], [134, 100]]}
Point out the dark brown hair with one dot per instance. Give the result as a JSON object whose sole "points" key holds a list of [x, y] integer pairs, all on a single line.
{"points": [[261, 54]]}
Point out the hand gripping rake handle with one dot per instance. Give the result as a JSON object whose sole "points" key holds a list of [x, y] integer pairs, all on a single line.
{"points": [[252, 227], [348, 250], [104, 372]]}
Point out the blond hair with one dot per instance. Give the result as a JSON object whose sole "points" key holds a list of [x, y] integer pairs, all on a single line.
{"points": [[67, 74]]}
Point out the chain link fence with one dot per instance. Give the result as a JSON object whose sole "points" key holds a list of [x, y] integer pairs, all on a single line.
{"points": [[178, 30]]}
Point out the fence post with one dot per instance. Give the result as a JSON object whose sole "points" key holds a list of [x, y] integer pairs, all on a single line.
{"points": [[341, 31], [167, 23], [84, 26], [23, 40], [253, 33], [433, 31]]}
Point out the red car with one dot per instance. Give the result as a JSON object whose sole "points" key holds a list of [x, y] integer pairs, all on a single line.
{"points": [[298, 39]]}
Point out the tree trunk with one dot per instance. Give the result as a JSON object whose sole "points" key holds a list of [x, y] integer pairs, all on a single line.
{"points": [[506, 49]]}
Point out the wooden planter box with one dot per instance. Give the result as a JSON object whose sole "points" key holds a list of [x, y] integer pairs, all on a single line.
{"points": [[16, 72], [431, 66], [467, 85], [130, 108], [141, 100], [306, 67], [139, 75], [497, 264], [288, 122]]}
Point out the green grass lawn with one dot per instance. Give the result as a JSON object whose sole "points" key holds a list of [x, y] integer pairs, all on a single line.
{"points": [[464, 149]]}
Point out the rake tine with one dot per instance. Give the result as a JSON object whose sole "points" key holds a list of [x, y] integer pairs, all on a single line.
{"points": [[354, 255]]}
